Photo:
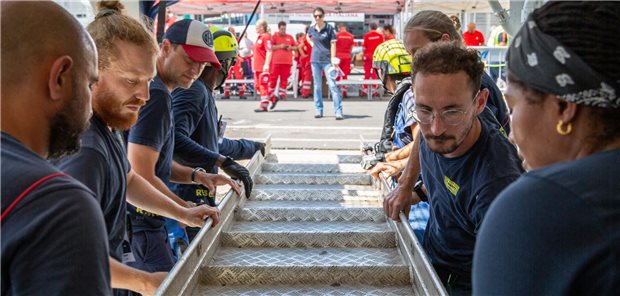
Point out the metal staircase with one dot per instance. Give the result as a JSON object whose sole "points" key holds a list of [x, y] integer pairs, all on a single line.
{"points": [[314, 225]]}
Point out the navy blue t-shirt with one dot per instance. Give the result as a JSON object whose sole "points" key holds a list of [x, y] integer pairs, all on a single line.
{"points": [[154, 129], [195, 127], [102, 166], [321, 51], [461, 190], [196, 136], [555, 231], [54, 240]]}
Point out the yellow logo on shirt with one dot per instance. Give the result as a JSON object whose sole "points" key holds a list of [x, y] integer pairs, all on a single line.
{"points": [[503, 131], [451, 185], [145, 213], [204, 192]]}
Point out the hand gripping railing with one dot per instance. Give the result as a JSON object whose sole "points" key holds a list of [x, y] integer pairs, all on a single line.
{"points": [[185, 274], [424, 279]]}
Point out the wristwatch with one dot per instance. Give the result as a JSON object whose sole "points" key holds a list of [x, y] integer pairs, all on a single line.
{"points": [[418, 190], [194, 171]]}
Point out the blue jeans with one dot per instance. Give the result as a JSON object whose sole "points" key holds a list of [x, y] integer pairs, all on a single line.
{"points": [[317, 68]]}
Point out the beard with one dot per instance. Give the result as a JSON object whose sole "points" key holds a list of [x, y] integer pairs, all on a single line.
{"points": [[108, 109], [446, 144], [65, 130]]}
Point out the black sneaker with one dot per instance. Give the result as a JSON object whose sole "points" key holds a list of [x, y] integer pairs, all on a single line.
{"points": [[274, 103], [318, 115]]}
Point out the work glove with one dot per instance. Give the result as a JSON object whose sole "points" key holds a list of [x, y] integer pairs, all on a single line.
{"points": [[238, 172], [259, 146], [384, 146]]}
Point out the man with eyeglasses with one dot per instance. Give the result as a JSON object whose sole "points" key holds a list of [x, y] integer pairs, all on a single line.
{"points": [[465, 159]]}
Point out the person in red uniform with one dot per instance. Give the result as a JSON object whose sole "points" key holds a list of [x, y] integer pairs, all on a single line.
{"points": [[473, 37], [297, 59], [389, 32], [261, 62], [236, 72], [305, 50], [282, 46], [372, 39], [344, 46]]}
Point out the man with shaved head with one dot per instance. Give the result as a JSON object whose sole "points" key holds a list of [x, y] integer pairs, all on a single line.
{"points": [[53, 234]]}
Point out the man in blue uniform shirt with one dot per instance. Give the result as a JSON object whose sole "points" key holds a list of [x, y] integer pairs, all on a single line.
{"points": [[465, 159], [187, 46], [196, 126], [53, 234]]}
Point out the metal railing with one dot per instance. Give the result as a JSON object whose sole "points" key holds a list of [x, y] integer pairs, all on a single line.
{"points": [[424, 279], [185, 274]]}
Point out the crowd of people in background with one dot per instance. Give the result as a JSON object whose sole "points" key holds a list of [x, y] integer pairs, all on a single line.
{"points": [[519, 198], [268, 61]]}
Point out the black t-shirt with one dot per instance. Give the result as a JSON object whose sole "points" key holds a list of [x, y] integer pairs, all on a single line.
{"points": [[154, 129], [555, 231], [102, 166], [54, 241], [461, 190], [196, 137]]}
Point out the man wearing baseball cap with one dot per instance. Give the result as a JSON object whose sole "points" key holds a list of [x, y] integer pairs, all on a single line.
{"points": [[186, 48]]}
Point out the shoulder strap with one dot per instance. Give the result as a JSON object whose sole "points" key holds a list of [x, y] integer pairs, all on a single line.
{"points": [[392, 108], [27, 191]]}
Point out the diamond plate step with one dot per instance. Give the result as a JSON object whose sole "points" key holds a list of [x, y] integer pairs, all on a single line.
{"points": [[312, 168], [318, 179], [234, 266], [309, 235], [308, 290], [314, 192], [350, 211], [310, 156]]}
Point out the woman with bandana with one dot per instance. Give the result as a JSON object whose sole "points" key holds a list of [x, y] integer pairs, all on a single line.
{"points": [[556, 230]]}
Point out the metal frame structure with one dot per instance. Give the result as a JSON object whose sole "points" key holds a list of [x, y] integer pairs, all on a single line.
{"points": [[185, 274], [424, 279]]}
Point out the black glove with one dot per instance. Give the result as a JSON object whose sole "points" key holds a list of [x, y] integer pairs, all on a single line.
{"points": [[383, 146], [238, 172], [259, 146]]}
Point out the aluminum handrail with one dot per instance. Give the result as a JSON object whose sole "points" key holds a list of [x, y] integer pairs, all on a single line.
{"points": [[183, 277], [424, 279]]}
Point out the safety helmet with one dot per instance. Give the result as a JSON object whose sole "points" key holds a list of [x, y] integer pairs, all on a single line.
{"points": [[391, 57], [226, 50], [225, 44]]}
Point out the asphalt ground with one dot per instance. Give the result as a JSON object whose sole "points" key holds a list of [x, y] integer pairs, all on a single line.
{"points": [[292, 124]]}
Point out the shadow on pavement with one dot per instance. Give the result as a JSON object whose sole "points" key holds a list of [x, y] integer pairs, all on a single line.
{"points": [[287, 110]]}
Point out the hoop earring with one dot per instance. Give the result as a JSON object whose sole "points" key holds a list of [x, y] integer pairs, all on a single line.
{"points": [[568, 130]]}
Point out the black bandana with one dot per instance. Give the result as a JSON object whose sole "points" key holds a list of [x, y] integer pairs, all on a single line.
{"points": [[546, 65]]}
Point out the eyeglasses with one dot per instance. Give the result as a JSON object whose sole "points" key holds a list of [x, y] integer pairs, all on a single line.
{"points": [[449, 117], [318, 15]]}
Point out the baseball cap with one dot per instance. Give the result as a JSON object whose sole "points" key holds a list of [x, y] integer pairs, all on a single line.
{"points": [[196, 39]]}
